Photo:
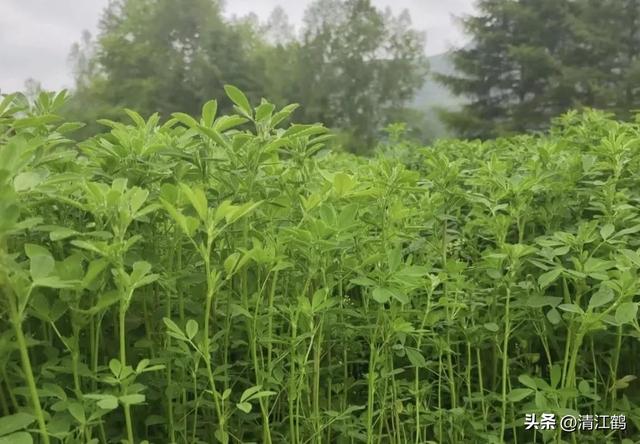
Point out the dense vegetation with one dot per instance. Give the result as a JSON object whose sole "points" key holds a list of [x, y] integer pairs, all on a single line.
{"points": [[531, 60], [217, 279], [351, 66]]}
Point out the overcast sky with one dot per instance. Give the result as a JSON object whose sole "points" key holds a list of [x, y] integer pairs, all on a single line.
{"points": [[36, 35]]}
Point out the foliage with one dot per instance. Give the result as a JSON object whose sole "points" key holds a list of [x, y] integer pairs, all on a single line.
{"points": [[353, 68], [531, 60], [160, 56], [357, 66], [224, 278]]}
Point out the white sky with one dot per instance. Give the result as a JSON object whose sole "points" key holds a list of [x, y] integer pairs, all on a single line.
{"points": [[36, 35]]}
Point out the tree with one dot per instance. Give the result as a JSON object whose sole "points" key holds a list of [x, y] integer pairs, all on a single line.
{"points": [[353, 68], [607, 57], [32, 88], [278, 30], [162, 55], [531, 60], [511, 73], [356, 66]]}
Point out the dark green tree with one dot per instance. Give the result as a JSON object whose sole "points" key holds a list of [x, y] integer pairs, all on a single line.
{"points": [[355, 67], [606, 61], [512, 72], [161, 55], [531, 60]]}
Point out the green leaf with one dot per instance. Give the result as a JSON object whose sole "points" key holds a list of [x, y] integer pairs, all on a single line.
{"points": [[540, 400], [209, 111], [142, 365], [248, 393], [15, 422], [94, 270], [626, 312], [177, 216], [69, 127], [264, 111], [542, 301], [116, 367], [241, 211], [198, 200], [583, 387], [17, 438], [41, 262], [133, 399], [244, 406], [54, 391], [227, 122], [554, 317], [415, 357], [185, 119], [77, 411], [191, 328], [343, 184], [231, 262], [363, 281], [137, 118], [213, 134], [26, 181], [136, 198], [546, 279], [556, 374], [571, 308], [631, 230], [527, 381], [108, 403], [601, 297], [54, 282], [623, 382], [519, 394], [239, 99], [633, 256], [381, 295], [283, 114], [492, 326], [41, 266], [221, 436], [263, 394], [173, 329], [140, 276], [61, 233], [607, 231], [90, 246]]}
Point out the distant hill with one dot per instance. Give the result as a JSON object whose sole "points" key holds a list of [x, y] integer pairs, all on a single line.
{"points": [[434, 94]]}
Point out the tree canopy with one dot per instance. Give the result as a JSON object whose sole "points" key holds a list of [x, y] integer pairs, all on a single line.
{"points": [[531, 60], [351, 65]]}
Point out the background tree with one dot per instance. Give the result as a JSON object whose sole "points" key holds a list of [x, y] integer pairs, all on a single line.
{"points": [[512, 71], [354, 67], [162, 55], [357, 66], [278, 30], [531, 60], [606, 60]]}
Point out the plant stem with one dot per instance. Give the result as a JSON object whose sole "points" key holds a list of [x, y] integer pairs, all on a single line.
{"points": [[505, 361], [16, 320]]}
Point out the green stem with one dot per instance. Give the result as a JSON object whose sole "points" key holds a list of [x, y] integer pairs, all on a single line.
{"points": [[123, 361], [371, 381], [16, 320], [505, 362]]}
